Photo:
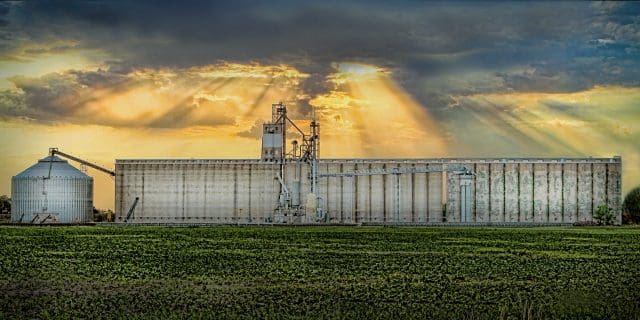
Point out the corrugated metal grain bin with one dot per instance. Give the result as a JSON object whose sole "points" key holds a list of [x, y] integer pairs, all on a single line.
{"points": [[52, 191]]}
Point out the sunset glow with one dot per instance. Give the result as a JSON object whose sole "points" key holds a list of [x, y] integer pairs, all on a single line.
{"points": [[398, 81]]}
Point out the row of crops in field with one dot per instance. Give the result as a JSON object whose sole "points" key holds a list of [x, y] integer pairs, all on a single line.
{"points": [[319, 272]]}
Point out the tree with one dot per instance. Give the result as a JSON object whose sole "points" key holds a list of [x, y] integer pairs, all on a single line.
{"points": [[603, 215], [103, 215], [5, 204], [631, 207]]}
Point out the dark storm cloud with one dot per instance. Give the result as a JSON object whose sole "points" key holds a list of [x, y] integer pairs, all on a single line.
{"points": [[4, 10], [195, 33], [12, 105]]}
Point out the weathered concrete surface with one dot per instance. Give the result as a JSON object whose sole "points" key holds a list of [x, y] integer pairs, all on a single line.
{"points": [[585, 192], [247, 191], [570, 192], [377, 194], [555, 192], [599, 185], [511, 193], [453, 197], [389, 194], [540, 193], [420, 197], [348, 195], [526, 192], [406, 196], [363, 191], [434, 214], [496, 194], [614, 188], [482, 192], [334, 194]]}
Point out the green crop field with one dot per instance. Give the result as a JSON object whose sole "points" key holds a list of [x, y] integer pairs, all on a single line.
{"points": [[319, 272]]}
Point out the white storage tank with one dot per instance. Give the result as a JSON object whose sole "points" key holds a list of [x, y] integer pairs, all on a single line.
{"points": [[51, 191]]}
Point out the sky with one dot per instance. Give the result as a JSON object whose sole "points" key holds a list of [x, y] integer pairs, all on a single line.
{"points": [[402, 79]]}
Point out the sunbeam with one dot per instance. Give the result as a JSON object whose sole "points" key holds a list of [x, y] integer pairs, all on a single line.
{"points": [[370, 109]]}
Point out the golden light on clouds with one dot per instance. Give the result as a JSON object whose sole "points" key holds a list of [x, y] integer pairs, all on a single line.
{"points": [[600, 122], [34, 60], [204, 96], [368, 114], [353, 72]]}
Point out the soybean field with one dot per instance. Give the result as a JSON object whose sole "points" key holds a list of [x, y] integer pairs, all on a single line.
{"points": [[96, 272]]}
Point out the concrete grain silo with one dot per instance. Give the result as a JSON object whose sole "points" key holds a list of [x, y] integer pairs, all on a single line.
{"points": [[52, 191]]}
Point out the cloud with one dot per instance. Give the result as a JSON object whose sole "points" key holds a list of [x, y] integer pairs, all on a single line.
{"points": [[599, 121], [211, 95], [197, 33], [255, 132], [435, 50]]}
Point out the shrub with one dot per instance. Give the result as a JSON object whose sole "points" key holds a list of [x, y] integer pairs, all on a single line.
{"points": [[585, 224], [631, 207], [603, 215], [103, 215], [5, 204]]}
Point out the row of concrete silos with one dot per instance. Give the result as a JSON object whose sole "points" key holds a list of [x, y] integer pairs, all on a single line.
{"points": [[504, 191]]}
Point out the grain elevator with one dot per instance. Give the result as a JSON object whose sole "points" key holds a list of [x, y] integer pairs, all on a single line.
{"points": [[291, 184]]}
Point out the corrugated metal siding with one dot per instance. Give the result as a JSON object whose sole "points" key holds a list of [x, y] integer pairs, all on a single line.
{"points": [[52, 191], [67, 200]]}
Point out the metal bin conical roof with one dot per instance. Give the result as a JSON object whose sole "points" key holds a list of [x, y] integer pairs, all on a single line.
{"points": [[59, 168]]}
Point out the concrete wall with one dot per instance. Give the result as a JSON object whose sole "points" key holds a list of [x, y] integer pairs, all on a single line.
{"points": [[247, 191]]}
